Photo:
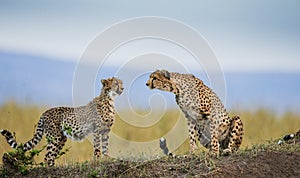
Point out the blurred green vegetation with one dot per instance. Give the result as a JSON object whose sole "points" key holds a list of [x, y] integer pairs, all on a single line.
{"points": [[260, 125]]}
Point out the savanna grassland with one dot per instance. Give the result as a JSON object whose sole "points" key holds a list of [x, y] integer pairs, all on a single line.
{"points": [[262, 130]]}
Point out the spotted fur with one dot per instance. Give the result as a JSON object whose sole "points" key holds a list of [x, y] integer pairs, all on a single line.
{"points": [[208, 120], [76, 123]]}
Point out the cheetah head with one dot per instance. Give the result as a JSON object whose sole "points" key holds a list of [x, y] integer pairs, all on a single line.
{"points": [[113, 86], [161, 79]]}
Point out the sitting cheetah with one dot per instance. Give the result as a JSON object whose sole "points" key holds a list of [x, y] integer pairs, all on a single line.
{"points": [[76, 123], [206, 116]]}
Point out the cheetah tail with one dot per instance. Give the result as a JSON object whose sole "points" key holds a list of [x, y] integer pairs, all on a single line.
{"points": [[29, 144], [164, 147], [9, 138], [37, 136]]}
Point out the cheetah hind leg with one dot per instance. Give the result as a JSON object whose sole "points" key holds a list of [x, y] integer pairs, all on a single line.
{"points": [[54, 146], [235, 135]]}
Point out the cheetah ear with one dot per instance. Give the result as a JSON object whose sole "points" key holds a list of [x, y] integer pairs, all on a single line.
{"points": [[104, 82], [166, 74]]}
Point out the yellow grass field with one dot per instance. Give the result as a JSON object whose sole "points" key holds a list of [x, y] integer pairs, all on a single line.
{"points": [[128, 140]]}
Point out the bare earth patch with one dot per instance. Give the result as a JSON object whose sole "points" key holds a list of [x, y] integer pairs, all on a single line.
{"points": [[264, 164]]}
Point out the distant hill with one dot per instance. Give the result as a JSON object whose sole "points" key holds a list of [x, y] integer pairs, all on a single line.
{"points": [[33, 79], [44, 81], [275, 91]]}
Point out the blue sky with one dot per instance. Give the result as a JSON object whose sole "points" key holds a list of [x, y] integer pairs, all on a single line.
{"points": [[245, 35]]}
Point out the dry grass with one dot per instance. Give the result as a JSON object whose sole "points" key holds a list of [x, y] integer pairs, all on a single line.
{"points": [[263, 125], [260, 125]]}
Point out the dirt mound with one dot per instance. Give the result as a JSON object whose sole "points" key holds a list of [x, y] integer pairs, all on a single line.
{"points": [[264, 164], [265, 160]]}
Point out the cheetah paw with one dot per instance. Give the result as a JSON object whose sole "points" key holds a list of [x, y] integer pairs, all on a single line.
{"points": [[226, 152]]}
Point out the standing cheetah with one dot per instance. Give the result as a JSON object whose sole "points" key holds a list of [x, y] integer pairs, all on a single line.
{"points": [[207, 119], [76, 123]]}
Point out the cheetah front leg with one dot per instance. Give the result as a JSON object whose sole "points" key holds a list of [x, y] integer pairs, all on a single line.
{"points": [[97, 137], [215, 146], [100, 141], [104, 140], [236, 133], [192, 126]]}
